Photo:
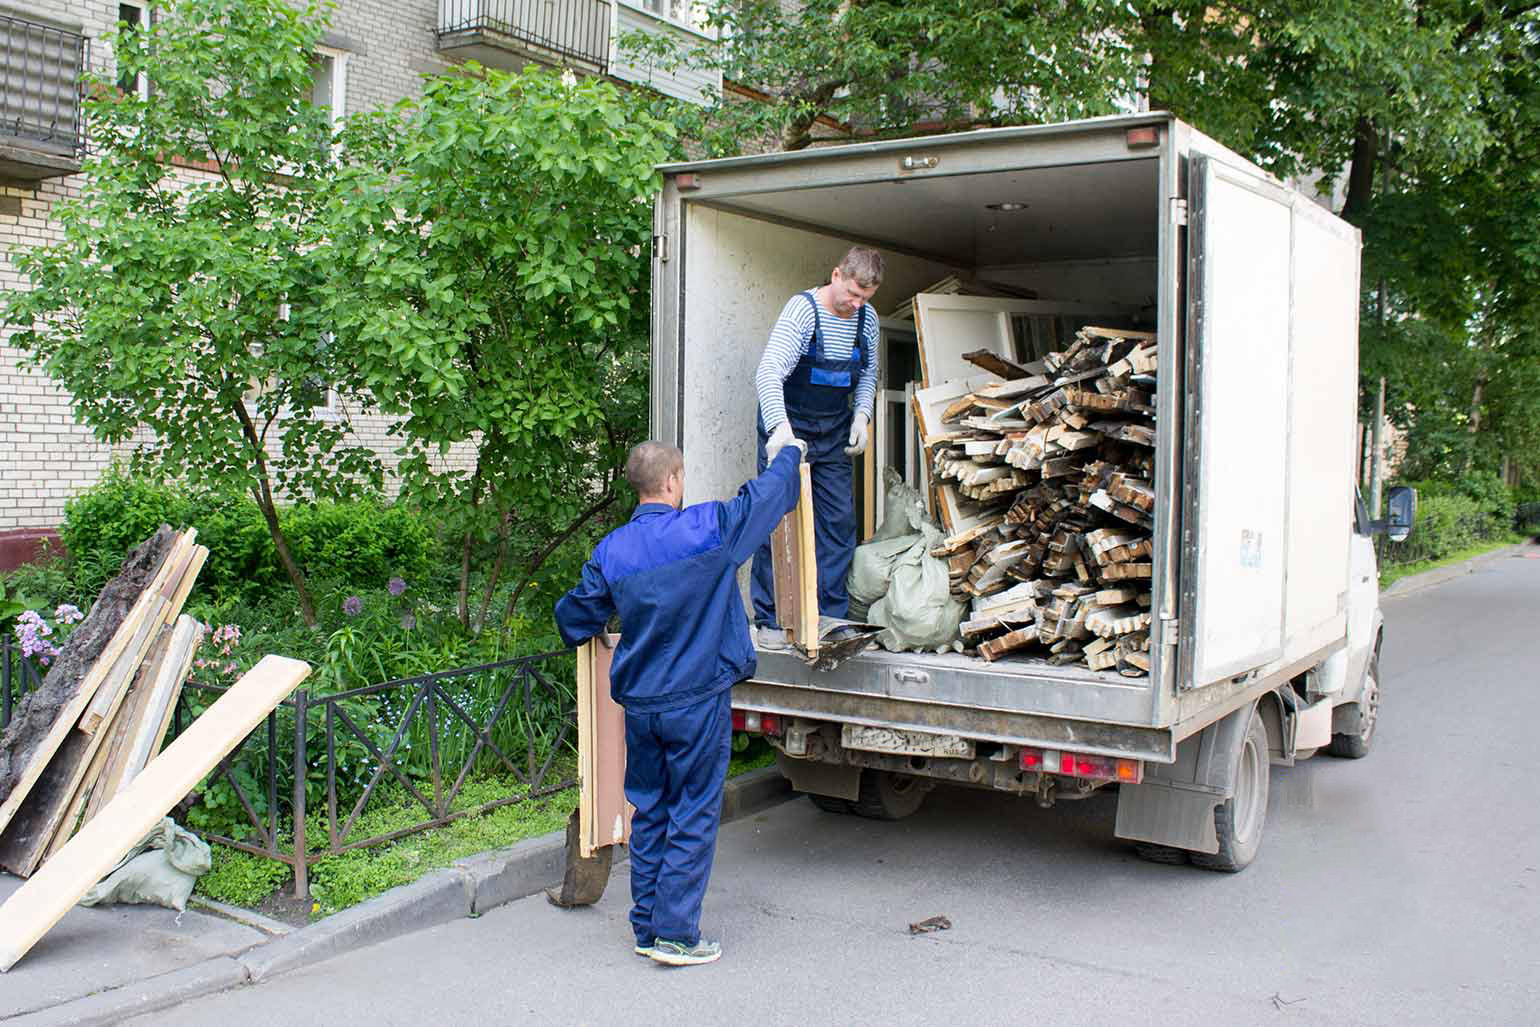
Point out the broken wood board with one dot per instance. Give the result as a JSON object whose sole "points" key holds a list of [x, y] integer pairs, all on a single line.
{"points": [[795, 565], [947, 327], [604, 815], [48, 714], [88, 857], [59, 793]]}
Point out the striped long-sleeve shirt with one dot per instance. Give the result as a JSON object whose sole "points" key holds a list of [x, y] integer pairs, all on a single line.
{"points": [[790, 340]]}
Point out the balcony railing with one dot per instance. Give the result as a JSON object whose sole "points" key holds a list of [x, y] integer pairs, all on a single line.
{"points": [[548, 31], [40, 98]]}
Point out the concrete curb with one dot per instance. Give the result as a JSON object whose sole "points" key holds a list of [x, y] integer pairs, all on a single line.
{"points": [[469, 888], [147, 996], [1438, 575]]}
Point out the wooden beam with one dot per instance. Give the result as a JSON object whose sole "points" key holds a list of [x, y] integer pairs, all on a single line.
{"points": [[42, 901]]}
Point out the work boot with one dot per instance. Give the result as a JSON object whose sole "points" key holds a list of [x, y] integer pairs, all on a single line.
{"points": [[677, 953], [769, 637], [644, 949]]}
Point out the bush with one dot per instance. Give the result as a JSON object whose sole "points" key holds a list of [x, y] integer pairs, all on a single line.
{"points": [[364, 543]]}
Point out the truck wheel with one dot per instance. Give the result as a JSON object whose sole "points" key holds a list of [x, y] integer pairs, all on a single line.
{"points": [[1168, 855], [1356, 745], [889, 796], [1239, 819], [831, 804]]}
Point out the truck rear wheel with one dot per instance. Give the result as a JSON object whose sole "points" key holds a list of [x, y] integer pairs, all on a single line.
{"points": [[1356, 746], [1238, 821], [831, 804], [889, 796]]}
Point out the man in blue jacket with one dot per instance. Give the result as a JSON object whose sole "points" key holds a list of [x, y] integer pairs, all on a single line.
{"points": [[671, 575]]}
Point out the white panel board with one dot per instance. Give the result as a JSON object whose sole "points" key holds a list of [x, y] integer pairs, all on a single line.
{"points": [[949, 326], [1244, 229], [1322, 419]]}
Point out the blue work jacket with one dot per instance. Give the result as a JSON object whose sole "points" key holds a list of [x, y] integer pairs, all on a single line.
{"points": [[672, 577]]}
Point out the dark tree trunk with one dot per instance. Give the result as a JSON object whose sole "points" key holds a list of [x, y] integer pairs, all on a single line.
{"points": [[1366, 156], [262, 492]]}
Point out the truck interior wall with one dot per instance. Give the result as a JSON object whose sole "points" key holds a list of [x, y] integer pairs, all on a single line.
{"points": [[1128, 280], [739, 273]]}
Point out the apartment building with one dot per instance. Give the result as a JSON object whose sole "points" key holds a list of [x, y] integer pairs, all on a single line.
{"points": [[375, 53]]}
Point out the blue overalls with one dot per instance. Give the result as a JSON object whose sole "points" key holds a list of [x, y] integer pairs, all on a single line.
{"points": [[672, 576], [818, 393]]}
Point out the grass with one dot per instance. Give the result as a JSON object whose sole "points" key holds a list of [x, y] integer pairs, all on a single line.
{"points": [[340, 881], [1393, 573]]}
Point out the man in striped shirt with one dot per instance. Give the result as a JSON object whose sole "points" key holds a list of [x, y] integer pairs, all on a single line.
{"points": [[817, 382]]}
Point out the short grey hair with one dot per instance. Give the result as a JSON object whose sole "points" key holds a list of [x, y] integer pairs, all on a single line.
{"points": [[649, 465], [864, 264]]}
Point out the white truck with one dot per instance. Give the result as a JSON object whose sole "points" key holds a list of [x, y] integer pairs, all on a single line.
{"points": [[1265, 617]]}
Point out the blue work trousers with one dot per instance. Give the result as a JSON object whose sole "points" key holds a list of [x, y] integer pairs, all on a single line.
{"points": [[676, 763], [834, 524]]}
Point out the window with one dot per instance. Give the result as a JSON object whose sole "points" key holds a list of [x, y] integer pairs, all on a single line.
{"points": [[133, 18], [683, 12], [330, 68]]}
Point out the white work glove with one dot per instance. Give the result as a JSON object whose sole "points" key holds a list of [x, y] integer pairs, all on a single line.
{"points": [[778, 439], [858, 434]]}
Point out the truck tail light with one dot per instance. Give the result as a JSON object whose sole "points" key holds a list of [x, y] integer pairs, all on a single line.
{"points": [[756, 723], [1078, 764]]}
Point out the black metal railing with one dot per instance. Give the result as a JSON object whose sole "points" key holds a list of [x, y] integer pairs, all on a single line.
{"points": [[578, 29], [426, 735], [517, 718], [40, 85]]}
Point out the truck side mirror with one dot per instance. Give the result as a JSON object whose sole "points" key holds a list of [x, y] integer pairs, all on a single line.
{"points": [[1402, 503]]}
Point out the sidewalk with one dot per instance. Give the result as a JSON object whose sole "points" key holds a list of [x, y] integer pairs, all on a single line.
{"points": [[105, 965], [1439, 575]]}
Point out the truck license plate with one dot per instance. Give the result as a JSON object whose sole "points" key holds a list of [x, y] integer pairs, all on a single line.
{"points": [[904, 743]]}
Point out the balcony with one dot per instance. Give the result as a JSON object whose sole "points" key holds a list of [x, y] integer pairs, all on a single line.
{"points": [[42, 125], [512, 33]]}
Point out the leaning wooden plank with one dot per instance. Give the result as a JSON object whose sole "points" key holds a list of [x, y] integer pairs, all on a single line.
{"points": [[39, 903], [47, 715], [138, 727], [167, 585], [808, 553], [795, 566], [25, 840], [92, 791]]}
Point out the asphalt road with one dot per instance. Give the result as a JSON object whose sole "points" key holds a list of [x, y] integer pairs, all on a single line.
{"points": [[1402, 888]]}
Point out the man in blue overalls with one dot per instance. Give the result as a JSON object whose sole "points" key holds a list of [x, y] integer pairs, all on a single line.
{"points": [[672, 576], [817, 381]]}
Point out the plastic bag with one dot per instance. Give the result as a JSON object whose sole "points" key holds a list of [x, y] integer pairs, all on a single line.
{"points": [[161, 869], [918, 609], [871, 569]]}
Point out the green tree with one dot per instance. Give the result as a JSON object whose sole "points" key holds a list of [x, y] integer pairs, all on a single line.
{"points": [[491, 244], [187, 304]]}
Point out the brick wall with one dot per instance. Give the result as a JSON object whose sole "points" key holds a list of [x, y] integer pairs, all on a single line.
{"points": [[45, 456]]}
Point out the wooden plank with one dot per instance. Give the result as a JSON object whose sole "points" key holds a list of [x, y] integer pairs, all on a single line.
{"points": [[604, 815], [40, 903], [949, 326], [795, 565], [162, 588], [26, 838], [27, 746]]}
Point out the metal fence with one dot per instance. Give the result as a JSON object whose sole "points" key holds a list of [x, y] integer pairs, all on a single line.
{"points": [[427, 734], [40, 87], [578, 29]]}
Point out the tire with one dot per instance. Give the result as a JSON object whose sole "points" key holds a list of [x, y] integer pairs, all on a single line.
{"points": [[1238, 821], [1167, 855], [889, 796], [830, 804], [1356, 746]]}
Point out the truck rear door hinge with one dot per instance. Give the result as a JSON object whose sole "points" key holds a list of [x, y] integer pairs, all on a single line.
{"points": [[1178, 211], [1170, 631], [660, 248]]}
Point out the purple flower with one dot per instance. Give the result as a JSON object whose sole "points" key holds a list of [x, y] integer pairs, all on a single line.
{"points": [[68, 613], [396, 586], [352, 606]]}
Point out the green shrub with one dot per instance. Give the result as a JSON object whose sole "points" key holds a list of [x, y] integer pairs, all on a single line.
{"points": [[360, 543], [1450, 520], [108, 519], [240, 878]]}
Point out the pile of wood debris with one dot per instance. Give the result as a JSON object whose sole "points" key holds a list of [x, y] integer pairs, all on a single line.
{"points": [[105, 706], [1055, 472]]}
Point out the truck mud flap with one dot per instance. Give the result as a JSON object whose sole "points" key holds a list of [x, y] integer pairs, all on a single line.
{"points": [[1168, 814], [832, 779]]}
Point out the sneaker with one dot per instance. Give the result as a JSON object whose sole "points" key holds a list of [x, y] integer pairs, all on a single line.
{"points": [[768, 637], [643, 950], [677, 953]]}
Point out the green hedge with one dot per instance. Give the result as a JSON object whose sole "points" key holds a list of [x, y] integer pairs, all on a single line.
{"points": [[1453, 516], [364, 542]]}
